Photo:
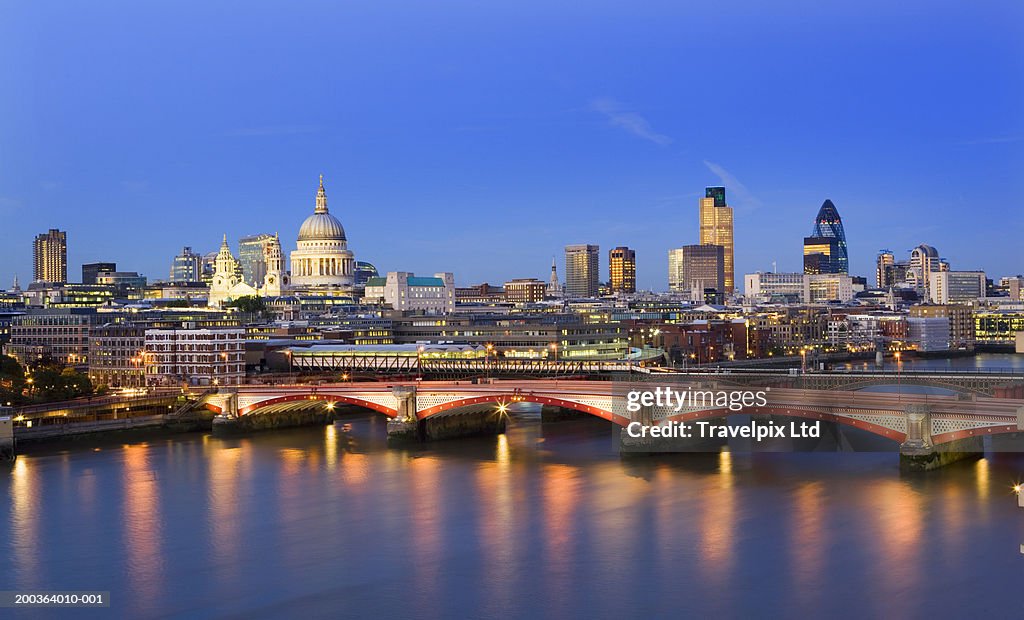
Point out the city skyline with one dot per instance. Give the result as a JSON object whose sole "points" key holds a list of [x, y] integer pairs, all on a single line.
{"points": [[593, 150]]}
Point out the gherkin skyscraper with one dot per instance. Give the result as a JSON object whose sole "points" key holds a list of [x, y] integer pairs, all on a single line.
{"points": [[825, 249]]}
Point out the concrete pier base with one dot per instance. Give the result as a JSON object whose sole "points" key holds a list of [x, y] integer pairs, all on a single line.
{"points": [[551, 413], [447, 427], [940, 456], [270, 421], [7, 452]]}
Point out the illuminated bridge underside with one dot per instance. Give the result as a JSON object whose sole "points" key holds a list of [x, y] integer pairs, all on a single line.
{"points": [[883, 414]]}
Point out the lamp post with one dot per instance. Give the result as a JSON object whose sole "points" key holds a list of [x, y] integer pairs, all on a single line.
{"points": [[803, 360], [419, 363], [899, 373]]}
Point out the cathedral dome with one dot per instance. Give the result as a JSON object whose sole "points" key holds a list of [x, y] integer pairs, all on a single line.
{"points": [[321, 227]]}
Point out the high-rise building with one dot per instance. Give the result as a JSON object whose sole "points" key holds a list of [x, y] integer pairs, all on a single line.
{"points": [[773, 287], [947, 287], [716, 228], [582, 264], [884, 268], [187, 266], [825, 248], [91, 270], [698, 270], [251, 255], [924, 261], [50, 257], [364, 271], [622, 270]]}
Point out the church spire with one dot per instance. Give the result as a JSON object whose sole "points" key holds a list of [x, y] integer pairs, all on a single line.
{"points": [[321, 198]]}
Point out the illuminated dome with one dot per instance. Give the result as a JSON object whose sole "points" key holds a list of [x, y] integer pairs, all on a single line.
{"points": [[322, 257], [321, 227]]}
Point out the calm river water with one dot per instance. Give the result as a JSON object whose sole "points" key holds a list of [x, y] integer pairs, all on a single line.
{"points": [[546, 521]]}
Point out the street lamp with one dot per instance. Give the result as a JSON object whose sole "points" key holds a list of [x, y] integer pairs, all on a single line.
{"points": [[803, 360], [419, 362], [488, 348], [899, 369]]}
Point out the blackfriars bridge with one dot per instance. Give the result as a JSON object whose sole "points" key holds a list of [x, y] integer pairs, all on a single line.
{"points": [[922, 424]]}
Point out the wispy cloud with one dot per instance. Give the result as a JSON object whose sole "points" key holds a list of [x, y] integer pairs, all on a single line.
{"points": [[629, 121], [996, 140], [272, 130], [733, 186]]}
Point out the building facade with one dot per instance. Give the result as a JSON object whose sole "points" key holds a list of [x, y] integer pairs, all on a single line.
{"points": [[716, 228], [698, 270], [50, 257], [960, 318], [251, 255], [946, 287], [187, 266], [582, 266], [91, 270], [116, 355], [406, 292], [828, 232], [194, 356], [59, 335], [773, 287], [622, 270], [525, 290]]}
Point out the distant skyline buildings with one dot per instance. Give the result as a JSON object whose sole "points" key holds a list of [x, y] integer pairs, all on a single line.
{"points": [[699, 271], [251, 251], [622, 270], [716, 228], [582, 269], [825, 249], [50, 257]]}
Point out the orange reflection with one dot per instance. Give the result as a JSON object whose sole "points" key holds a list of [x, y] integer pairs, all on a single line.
{"points": [[425, 528], [718, 523], [25, 523], [143, 527]]}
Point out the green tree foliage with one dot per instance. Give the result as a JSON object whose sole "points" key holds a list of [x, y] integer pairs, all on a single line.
{"points": [[252, 306], [51, 383]]}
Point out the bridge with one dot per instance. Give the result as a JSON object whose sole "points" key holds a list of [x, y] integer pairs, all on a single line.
{"points": [[920, 423]]}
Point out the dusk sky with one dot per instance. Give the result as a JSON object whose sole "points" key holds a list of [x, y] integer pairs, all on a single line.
{"points": [[482, 137]]}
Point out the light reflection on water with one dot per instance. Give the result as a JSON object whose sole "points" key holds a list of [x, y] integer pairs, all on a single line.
{"points": [[543, 521]]}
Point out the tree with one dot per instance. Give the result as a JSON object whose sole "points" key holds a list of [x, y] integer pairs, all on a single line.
{"points": [[12, 381], [252, 306]]}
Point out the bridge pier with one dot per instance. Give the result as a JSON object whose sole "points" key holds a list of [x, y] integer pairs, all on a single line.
{"points": [[918, 453], [551, 413], [6, 439], [405, 425]]}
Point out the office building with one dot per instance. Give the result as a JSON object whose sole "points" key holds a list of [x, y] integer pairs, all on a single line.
{"points": [[407, 292], [928, 334], [251, 252], [716, 228], [924, 261], [525, 290], [582, 265], [883, 268], [50, 257], [622, 270], [698, 270], [187, 266], [773, 287], [960, 318], [946, 287], [825, 248], [91, 270], [194, 355], [827, 288]]}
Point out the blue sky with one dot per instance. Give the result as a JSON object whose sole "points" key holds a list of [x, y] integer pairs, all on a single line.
{"points": [[481, 137]]}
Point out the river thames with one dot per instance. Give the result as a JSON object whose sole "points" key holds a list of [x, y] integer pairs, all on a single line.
{"points": [[544, 521]]}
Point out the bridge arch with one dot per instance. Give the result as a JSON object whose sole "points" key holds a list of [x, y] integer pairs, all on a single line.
{"points": [[514, 397], [295, 401]]}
